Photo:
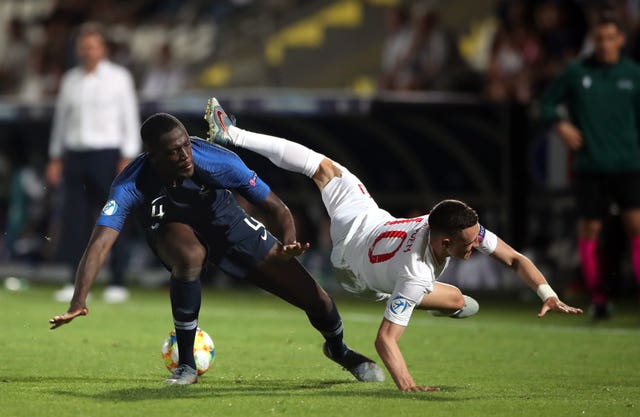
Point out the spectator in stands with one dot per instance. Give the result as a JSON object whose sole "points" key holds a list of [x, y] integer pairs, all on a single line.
{"points": [[95, 134], [425, 66], [630, 10], [14, 57], [431, 60], [515, 52], [165, 77], [561, 27], [602, 94], [39, 80], [396, 45]]}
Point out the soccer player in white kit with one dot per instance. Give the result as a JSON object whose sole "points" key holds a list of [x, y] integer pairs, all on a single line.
{"points": [[387, 258]]}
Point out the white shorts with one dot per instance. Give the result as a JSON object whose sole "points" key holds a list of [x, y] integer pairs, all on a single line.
{"points": [[347, 202]]}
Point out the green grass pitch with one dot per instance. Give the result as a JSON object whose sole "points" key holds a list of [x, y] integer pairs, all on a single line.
{"points": [[502, 362]]}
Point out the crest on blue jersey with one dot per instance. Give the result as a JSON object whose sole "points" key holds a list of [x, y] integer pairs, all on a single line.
{"points": [[398, 305], [110, 208]]}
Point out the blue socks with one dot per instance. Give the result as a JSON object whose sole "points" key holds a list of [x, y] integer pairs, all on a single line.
{"points": [[185, 306], [330, 327]]}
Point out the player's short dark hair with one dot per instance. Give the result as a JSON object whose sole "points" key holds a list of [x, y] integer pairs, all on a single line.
{"points": [[451, 216], [157, 125]]}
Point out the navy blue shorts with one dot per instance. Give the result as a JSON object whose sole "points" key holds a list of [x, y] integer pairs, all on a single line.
{"points": [[235, 249], [594, 192], [247, 243]]}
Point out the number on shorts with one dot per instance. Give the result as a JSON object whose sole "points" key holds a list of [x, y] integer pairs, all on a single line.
{"points": [[256, 225]]}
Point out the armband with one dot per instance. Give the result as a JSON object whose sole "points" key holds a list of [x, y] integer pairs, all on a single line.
{"points": [[545, 291]]}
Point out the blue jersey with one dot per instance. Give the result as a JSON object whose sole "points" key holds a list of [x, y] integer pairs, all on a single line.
{"points": [[204, 200]]}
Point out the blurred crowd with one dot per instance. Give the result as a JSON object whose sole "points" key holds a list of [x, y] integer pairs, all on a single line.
{"points": [[159, 41], [527, 43], [166, 43]]}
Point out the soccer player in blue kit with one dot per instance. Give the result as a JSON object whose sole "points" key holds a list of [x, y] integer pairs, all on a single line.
{"points": [[180, 191]]}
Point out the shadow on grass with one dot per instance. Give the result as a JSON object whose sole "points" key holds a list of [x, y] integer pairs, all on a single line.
{"points": [[257, 388]]}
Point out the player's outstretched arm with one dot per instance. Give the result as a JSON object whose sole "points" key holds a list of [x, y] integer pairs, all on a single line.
{"points": [[280, 217], [389, 351], [100, 243], [533, 278]]}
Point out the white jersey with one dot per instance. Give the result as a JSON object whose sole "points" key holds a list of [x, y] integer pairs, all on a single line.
{"points": [[384, 254]]}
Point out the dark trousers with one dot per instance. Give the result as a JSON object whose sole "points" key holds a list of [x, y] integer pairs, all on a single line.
{"points": [[87, 177]]}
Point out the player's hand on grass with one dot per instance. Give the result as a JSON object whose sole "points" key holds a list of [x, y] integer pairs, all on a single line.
{"points": [[420, 388], [71, 314], [294, 249], [554, 304], [570, 134]]}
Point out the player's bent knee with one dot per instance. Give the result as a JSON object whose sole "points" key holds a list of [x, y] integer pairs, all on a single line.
{"points": [[186, 274], [188, 262], [179, 248], [458, 301], [449, 297]]}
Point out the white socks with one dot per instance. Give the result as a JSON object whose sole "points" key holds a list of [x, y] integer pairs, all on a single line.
{"points": [[282, 152]]}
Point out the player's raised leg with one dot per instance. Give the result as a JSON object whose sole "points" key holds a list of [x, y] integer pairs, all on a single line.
{"points": [[281, 152]]}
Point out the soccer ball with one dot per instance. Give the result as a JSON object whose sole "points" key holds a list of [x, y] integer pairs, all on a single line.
{"points": [[203, 351]]}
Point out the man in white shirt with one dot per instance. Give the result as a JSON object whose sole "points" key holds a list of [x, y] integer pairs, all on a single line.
{"points": [[392, 259], [95, 134]]}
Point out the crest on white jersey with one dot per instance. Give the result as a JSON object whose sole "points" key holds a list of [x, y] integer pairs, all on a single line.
{"points": [[398, 305], [110, 208]]}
